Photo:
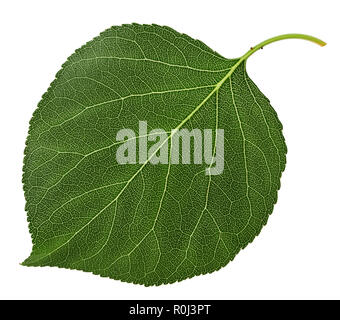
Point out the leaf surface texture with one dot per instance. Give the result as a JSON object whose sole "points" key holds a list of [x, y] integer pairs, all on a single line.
{"points": [[144, 223]]}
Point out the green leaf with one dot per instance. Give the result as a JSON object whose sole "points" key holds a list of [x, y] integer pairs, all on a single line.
{"points": [[145, 223]]}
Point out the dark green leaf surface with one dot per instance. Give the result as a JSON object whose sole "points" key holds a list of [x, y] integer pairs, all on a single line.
{"points": [[144, 223]]}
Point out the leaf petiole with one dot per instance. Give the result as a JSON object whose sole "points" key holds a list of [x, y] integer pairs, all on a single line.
{"points": [[279, 38]]}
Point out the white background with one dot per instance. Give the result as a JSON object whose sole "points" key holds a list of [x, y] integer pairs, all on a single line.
{"points": [[297, 255]]}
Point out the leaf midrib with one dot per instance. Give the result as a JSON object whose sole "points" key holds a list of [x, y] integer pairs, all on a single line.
{"points": [[216, 88]]}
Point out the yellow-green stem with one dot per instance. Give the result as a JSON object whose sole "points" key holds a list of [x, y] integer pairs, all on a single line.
{"points": [[282, 37]]}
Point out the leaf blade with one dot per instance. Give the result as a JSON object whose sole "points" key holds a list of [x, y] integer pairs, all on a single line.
{"points": [[110, 252]]}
